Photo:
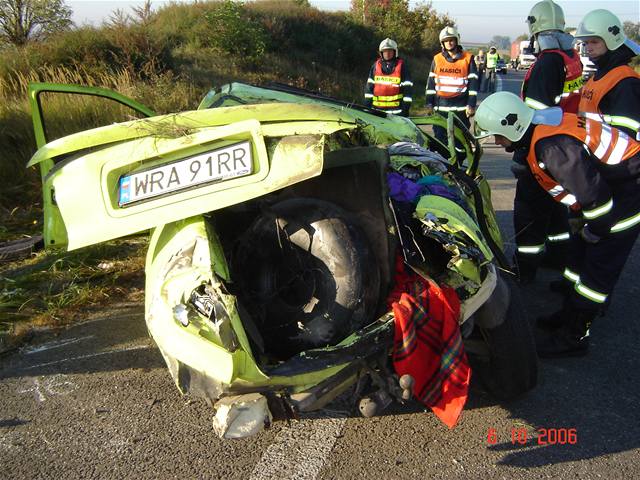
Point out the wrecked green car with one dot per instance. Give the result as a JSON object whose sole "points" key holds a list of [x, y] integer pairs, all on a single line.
{"points": [[273, 241]]}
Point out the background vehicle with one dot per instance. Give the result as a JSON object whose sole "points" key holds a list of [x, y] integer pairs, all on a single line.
{"points": [[524, 52], [501, 67], [515, 51], [273, 242]]}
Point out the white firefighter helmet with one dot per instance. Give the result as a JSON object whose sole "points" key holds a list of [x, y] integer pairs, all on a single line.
{"points": [[449, 32], [605, 25], [503, 113], [544, 16], [388, 44]]}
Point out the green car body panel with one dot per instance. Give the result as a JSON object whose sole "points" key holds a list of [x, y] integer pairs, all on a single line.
{"points": [[292, 139]]}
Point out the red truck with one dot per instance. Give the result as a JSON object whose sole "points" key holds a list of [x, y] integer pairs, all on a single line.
{"points": [[521, 55], [515, 51]]}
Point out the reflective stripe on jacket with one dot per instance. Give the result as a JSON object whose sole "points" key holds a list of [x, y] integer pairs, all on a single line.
{"points": [[387, 88], [569, 99], [594, 91], [451, 78], [607, 144]]}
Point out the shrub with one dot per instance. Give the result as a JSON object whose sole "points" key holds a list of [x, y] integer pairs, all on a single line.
{"points": [[416, 31], [232, 31], [320, 37]]}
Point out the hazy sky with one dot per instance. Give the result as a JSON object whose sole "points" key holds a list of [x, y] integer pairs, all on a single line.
{"points": [[478, 20]]}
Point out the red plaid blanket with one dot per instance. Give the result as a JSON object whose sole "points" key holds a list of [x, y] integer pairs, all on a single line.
{"points": [[428, 345]]}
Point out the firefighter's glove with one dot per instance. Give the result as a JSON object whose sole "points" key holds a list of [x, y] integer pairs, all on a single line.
{"points": [[588, 236], [470, 111], [519, 170], [575, 224], [429, 110]]}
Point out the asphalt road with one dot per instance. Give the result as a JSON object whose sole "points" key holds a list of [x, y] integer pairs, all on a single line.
{"points": [[96, 401]]}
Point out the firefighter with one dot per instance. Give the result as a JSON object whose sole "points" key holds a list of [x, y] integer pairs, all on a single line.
{"points": [[492, 64], [595, 170], [481, 65], [612, 94], [541, 228], [453, 82], [389, 85]]}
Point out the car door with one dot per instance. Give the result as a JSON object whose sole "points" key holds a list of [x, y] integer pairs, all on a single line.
{"points": [[47, 128]]}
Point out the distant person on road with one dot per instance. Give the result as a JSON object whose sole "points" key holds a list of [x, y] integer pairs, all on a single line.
{"points": [[389, 86], [492, 65], [595, 170], [453, 82], [481, 65], [612, 94], [541, 228]]}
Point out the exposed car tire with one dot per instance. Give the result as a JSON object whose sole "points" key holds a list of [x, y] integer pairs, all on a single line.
{"points": [[511, 366], [307, 275]]}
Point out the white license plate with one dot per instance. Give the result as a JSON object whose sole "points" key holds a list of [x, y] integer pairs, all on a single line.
{"points": [[214, 166]]}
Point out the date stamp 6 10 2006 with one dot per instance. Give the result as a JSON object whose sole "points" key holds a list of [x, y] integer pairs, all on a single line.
{"points": [[541, 436]]}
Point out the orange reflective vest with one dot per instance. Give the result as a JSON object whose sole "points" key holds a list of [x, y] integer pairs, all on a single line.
{"points": [[386, 88], [609, 145], [569, 99], [594, 91], [452, 78]]}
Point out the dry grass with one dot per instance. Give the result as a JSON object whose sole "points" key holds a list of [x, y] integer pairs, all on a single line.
{"points": [[16, 84], [53, 288]]}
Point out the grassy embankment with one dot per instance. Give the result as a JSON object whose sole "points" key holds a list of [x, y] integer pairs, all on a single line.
{"points": [[167, 60]]}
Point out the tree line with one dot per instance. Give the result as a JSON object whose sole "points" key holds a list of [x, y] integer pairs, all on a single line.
{"points": [[23, 21]]}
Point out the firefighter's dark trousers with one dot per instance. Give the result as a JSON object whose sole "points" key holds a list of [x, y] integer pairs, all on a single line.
{"points": [[441, 133], [540, 223], [594, 269]]}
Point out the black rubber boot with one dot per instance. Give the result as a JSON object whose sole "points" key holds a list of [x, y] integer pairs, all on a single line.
{"points": [[553, 321], [571, 339], [561, 286]]}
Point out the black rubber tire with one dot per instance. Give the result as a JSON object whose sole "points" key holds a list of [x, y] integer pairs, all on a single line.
{"points": [[511, 368], [307, 276], [19, 249]]}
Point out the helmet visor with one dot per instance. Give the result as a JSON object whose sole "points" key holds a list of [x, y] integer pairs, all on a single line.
{"points": [[479, 132], [635, 48]]}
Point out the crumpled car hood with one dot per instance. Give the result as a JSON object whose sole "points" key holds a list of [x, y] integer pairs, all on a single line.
{"points": [[182, 124]]}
